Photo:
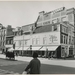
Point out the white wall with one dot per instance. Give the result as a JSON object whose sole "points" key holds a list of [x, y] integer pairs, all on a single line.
{"points": [[56, 40]]}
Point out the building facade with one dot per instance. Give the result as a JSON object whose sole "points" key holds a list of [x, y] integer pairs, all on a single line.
{"points": [[2, 38], [9, 38], [44, 38], [53, 32]]}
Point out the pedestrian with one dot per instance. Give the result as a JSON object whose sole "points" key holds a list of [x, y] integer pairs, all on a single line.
{"points": [[49, 55], [34, 65]]}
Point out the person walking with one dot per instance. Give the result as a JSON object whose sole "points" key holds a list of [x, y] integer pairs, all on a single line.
{"points": [[49, 55], [34, 65]]}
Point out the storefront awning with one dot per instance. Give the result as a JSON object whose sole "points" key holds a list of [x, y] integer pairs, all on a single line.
{"points": [[43, 49], [35, 48], [50, 48]]}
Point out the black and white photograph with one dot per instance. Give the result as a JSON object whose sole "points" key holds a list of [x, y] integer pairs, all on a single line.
{"points": [[37, 37]]}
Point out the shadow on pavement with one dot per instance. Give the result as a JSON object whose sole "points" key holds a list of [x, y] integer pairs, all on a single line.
{"points": [[8, 59]]}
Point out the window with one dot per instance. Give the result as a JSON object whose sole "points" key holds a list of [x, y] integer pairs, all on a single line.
{"points": [[37, 41], [55, 27], [73, 40], [25, 42], [69, 39], [11, 41], [33, 41], [7, 41], [19, 43], [70, 17], [44, 40], [3, 43], [64, 39], [61, 38], [66, 30]]}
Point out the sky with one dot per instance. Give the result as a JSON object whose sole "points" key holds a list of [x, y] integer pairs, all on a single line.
{"points": [[20, 13]]}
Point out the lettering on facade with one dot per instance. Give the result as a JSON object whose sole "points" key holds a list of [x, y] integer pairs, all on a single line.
{"points": [[58, 10], [46, 23], [53, 39]]}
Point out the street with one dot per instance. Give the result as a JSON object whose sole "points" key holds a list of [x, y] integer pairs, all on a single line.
{"points": [[17, 67]]}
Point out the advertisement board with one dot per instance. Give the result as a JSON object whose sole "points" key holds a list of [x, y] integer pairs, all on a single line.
{"points": [[54, 38]]}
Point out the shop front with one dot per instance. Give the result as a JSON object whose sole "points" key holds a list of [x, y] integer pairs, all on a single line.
{"points": [[64, 51], [49, 51], [71, 51]]}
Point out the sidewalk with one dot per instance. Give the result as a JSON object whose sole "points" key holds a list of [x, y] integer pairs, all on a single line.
{"points": [[60, 62]]}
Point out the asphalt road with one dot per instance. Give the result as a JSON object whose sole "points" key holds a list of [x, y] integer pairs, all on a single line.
{"points": [[12, 67]]}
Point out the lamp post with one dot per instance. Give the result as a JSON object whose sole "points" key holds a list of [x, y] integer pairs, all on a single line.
{"points": [[31, 31], [23, 45]]}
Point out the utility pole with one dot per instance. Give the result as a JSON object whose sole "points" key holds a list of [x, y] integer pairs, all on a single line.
{"points": [[23, 45], [31, 31]]}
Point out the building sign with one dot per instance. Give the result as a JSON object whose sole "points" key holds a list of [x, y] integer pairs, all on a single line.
{"points": [[46, 23], [58, 10], [53, 39]]}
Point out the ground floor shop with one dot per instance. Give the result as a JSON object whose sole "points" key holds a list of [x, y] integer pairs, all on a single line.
{"points": [[46, 51]]}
